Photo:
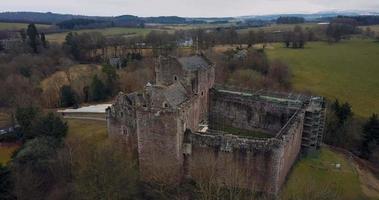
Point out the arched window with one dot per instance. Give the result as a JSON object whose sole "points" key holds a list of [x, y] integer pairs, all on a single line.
{"points": [[175, 78]]}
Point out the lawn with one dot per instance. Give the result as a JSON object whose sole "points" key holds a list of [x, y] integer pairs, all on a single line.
{"points": [[317, 174], [348, 71], [18, 26], [243, 132], [88, 129], [59, 37]]}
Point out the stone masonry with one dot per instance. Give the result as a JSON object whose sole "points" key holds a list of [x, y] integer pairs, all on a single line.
{"points": [[183, 125]]}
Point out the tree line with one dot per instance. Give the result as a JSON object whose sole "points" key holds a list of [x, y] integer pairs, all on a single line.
{"points": [[347, 131]]}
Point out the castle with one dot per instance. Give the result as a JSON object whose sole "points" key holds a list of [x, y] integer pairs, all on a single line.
{"points": [[184, 127]]}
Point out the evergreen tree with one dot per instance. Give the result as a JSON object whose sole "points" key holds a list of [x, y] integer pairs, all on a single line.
{"points": [[339, 124], [33, 37], [97, 89], [48, 126], [25, 117], [68, 97], [71, 42], [111, 81], [370, 136], [6, 184]]}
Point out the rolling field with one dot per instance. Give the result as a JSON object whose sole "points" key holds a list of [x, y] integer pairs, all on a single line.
{"points": [[59, 37], [18, 26], [348, 71], [317, 175]]}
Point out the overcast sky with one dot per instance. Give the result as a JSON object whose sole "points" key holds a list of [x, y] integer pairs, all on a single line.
{"points": [[186, 8]]}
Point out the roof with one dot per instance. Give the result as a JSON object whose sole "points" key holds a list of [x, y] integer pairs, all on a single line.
{"points": [[193, 63], [100, 108], [175, 94]]}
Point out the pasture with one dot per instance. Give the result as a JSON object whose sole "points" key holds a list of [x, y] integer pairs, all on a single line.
{"points": [[18, 26], [347, 70], [60, 37]]}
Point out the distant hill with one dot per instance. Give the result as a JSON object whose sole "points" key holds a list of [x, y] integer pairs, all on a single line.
{"points": [[41, 18], [313, 16], [69, 21]]}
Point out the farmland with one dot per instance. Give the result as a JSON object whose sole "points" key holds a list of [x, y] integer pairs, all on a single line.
{"points": [[18, 26], [281, 27], [347, 70], [59, 37]]}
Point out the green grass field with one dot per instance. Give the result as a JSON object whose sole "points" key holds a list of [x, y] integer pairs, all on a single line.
{"points": [[18, 26], [88, 129], [59, 37], [317, 174], [348, 70]]}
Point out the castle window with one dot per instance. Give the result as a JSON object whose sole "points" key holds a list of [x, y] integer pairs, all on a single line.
{"points": [[165, 105], [202, 93], [124, 130], [175, 78], [121, 114]]}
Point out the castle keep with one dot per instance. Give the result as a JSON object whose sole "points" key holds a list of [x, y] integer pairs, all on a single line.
{"points": [[184, 127]]}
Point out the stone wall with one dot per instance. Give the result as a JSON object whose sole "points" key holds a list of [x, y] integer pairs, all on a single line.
{"points": [[247, 112], [159, 146], [259, 164], [121, 121], [167, 70]]}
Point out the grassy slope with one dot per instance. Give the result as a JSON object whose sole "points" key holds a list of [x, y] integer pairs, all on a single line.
{"points": [[18, 26], [89, 129], [318, 173], [348, 71], [59, 37]]}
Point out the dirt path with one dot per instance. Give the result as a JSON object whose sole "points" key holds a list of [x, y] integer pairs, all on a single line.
{"points": [[369, 182]]}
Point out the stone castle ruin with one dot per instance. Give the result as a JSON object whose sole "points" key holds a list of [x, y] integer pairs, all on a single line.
{"points": [[184, 127]]}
